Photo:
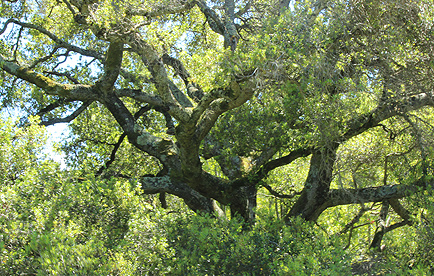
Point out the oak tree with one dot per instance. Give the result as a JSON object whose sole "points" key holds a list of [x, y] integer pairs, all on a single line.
{"points": [[206, 100]]}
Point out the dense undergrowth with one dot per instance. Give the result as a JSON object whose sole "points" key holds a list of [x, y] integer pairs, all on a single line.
{"points": [[54, 222], [57, 225]]}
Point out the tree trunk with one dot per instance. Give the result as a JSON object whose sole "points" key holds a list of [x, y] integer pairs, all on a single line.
{"points": [[317, 186], [378, 237], [243, 203]]}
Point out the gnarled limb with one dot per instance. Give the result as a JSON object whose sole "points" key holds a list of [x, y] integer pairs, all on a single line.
{"points": [[164, 184], [71, 91], [121, 138], [212, 17], [317, 185], [162, 83], [161, 148], [174, 7], [385, 111]]}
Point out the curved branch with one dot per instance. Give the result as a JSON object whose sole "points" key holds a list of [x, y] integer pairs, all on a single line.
{"points": [[60, 43], [234, 96], [162, 83], [276, 194], [196, 201], [254, 178], [385, 111], [69, 118], [70, 91]]}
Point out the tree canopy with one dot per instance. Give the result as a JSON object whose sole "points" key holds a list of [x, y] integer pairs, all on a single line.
{"points": [[321, 103]]}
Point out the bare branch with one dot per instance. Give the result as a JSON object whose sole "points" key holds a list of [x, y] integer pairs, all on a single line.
{"points": [[276, 194], [68, 76], [69, 118], [154, 185], [121, 138]]}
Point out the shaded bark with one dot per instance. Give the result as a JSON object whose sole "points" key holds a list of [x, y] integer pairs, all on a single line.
{"points": [[317, 185], [378, 237]]}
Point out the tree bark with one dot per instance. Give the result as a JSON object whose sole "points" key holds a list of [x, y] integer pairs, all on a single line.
{"points": [[317, 185]]}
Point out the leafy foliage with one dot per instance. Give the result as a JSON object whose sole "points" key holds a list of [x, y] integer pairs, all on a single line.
{"points": [[299, 133]]}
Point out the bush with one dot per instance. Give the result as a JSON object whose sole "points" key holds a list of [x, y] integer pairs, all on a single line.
{"points": [[204, 245]]}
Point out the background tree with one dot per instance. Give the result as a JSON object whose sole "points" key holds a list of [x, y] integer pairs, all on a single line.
{"points": [[216, 97]]}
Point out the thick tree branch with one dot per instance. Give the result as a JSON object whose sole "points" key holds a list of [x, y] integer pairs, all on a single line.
{"points": [[161, 148], [235, 96], [231, 34], [179, 96], [70, 91], [162, 83], [400, 210], [164, 184], [112, 67], [212, 17], [386, 110], [375, 194], [174, 7]]}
